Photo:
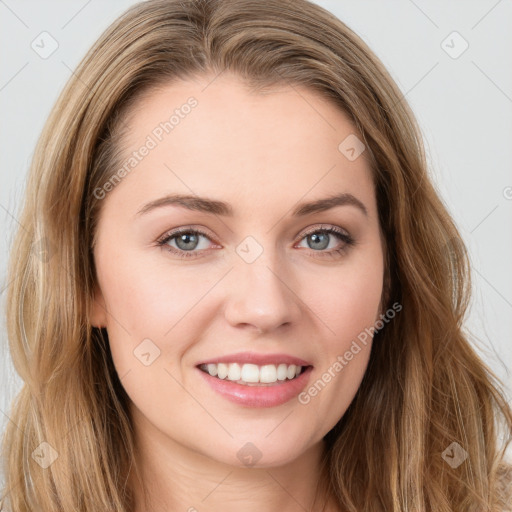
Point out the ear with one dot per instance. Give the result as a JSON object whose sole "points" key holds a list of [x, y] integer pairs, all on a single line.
{"points": [[98, 310]]}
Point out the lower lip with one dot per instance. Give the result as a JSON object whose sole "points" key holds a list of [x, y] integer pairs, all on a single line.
{"points": [[259, 396]]}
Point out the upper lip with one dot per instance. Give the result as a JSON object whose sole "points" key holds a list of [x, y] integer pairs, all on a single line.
{"points": [[258, 359]]}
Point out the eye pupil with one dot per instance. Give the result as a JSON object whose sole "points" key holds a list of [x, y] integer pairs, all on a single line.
{"points": [[185, 238], [316, 238]]}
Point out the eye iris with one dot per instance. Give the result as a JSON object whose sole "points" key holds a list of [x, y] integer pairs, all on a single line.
{"points": [[316, 238], [186, 238]]}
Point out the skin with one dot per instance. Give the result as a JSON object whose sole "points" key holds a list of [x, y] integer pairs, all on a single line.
{"points": [[262, 153]]}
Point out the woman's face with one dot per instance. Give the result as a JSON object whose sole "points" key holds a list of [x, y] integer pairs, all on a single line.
{"points": [[261, 278]]}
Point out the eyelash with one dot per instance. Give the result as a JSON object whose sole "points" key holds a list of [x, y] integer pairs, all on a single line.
{"points": [[347, 239]]}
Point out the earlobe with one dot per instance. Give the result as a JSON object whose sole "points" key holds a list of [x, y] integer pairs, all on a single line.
{"points": [[98, 309]]}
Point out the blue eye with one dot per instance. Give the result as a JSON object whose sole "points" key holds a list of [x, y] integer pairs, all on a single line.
{"points": [[187, 240], [320, 239]]}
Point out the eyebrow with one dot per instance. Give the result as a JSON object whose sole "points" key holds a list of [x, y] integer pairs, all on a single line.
{"points": [[206, 205]]}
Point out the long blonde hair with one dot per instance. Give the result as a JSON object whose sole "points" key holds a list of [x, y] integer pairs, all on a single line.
{"points": [[425, 388]]}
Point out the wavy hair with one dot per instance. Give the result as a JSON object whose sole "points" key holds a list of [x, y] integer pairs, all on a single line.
{"points": [[425, 386]]}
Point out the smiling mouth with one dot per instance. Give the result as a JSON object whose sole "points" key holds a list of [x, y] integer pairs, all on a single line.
{"points": [[252, 374]]}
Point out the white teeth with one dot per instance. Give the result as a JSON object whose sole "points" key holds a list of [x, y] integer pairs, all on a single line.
{"points": [[222, 370], [252, 373], [212, 369], [291, 371], [234, 371], [268, 373], [249, 373], [282, 372]]}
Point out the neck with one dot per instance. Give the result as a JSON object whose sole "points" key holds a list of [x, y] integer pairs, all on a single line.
{"points": [[174, 477]]}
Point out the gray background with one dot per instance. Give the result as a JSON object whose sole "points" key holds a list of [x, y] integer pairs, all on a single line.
{"points": [[463, 104]]}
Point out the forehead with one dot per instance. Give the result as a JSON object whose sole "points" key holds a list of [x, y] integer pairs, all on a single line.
{"points": [[214, 136]]}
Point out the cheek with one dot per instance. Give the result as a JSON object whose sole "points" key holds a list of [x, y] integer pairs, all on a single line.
{"points": [[347, 312], [155, 317], [145, 301], [346, 300]]}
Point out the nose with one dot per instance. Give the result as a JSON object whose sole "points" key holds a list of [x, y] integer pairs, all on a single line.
{"points": [[261, 295]]}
